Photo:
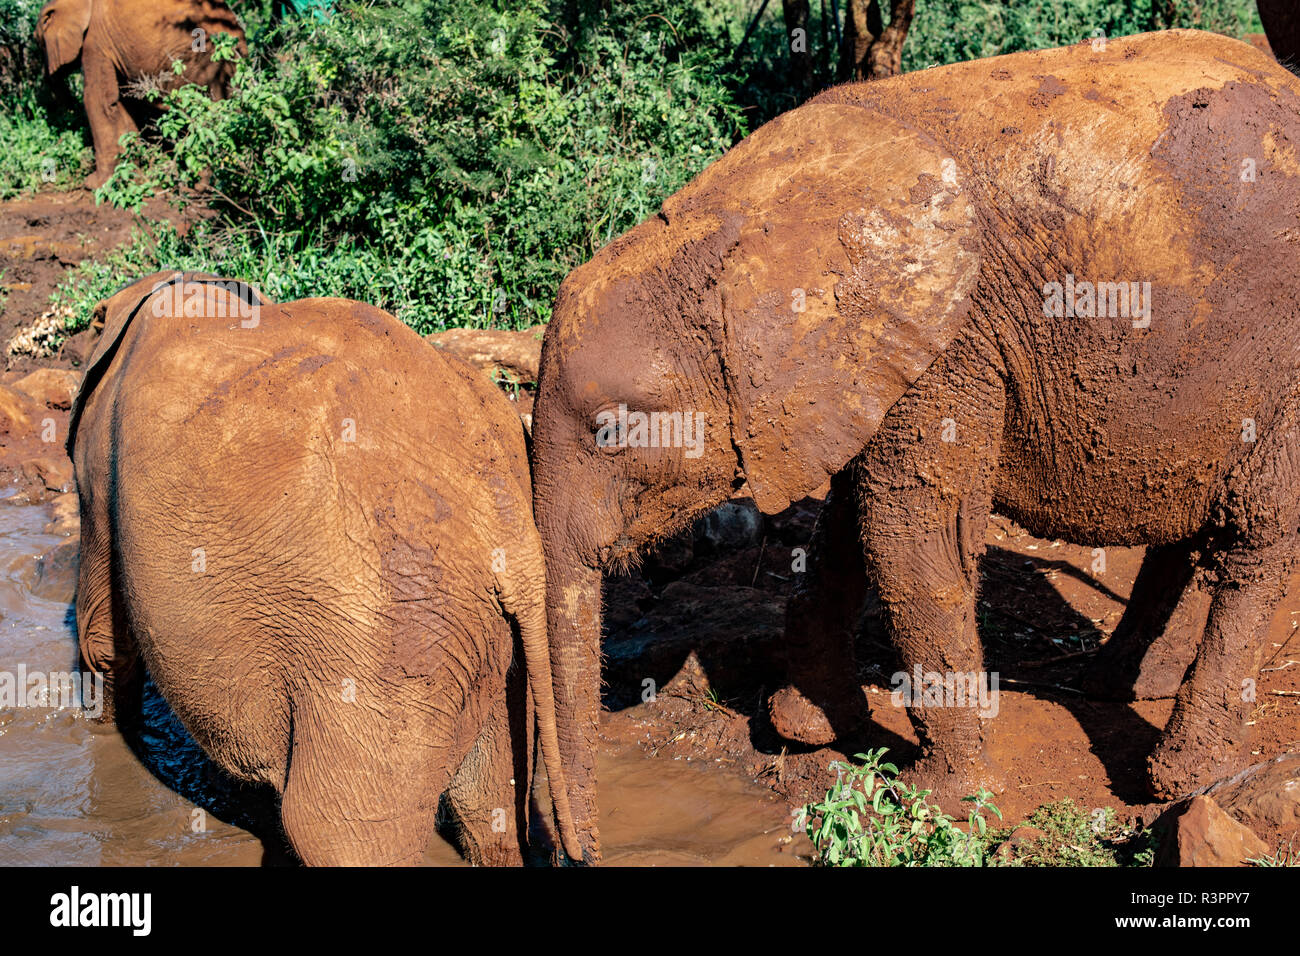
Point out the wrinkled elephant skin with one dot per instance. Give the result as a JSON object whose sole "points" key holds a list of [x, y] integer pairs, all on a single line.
{"points": [[315, 530], [863, 290]]}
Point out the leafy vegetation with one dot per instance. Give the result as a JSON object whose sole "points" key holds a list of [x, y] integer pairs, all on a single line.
{"points": [[871, 818], [1066, 834], [46, 143], [435, 159], [452, 160]]}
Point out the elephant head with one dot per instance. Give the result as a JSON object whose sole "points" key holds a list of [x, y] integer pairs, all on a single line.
{"points": [[752, 335], [60, 29]]}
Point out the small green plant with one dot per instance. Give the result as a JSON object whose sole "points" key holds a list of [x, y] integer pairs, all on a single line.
{"points": [[871, 818], [1285, 855], [1068, 834]]}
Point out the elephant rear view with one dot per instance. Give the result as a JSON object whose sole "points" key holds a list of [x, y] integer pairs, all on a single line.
{"points": [[315, 530], [121, 44]]}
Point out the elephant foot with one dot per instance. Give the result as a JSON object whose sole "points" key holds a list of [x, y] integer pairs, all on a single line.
{"points": [[950, 781], [1193, 754], [797, 718]]}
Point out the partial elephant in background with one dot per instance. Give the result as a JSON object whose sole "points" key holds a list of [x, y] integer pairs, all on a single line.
{"points": [[879, 287], [316, 531], [121, 44], [1281, 19]]}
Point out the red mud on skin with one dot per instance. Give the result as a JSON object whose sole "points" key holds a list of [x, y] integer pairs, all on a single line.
{"points": [[70, 794], [677, 776]]}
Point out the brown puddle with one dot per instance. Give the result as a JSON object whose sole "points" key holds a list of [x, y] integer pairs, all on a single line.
{"points": [[70, 794]]}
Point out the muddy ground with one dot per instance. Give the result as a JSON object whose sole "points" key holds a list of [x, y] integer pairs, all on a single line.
{"points": [[695, 774]]}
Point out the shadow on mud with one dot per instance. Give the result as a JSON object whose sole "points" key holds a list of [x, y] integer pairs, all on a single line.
{"points": [[704, 618]]}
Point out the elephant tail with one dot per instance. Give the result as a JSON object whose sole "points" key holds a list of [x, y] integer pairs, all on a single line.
{"points": [[531, 616]]}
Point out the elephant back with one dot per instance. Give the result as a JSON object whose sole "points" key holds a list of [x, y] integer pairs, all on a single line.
{"points": [[116, 314]]}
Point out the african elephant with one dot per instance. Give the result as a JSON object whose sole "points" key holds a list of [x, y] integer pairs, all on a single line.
{"points": [[1281, 20], [122, 44], [314, 529], [873, 288]]}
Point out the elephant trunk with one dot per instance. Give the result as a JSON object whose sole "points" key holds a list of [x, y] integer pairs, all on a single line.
{"points": [[573, 618], [532, 634]]}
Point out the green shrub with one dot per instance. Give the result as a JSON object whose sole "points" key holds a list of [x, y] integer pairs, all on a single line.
{"points": [[435, 159], [946, 31], [871, 818], [45, 141], [1075, 836]]}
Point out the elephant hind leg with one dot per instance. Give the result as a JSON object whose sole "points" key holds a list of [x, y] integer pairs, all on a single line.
{"points": [[1207, 733], [103, 635], [352, 795], [823, 699], [488, 793]]}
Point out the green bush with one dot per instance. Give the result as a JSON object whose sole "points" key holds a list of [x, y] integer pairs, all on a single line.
{"points": [[436, 159], [45, 141], [946, 31], [1072, 835], [871, 818]]}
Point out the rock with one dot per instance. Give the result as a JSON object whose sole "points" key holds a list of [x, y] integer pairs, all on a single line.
{"points": [[795, 717], [1203, 835], [52, 387], [18, 413], [56, 572], [729, 527], [502, 354], [48, 474], [1265, 796], [65, 515]]}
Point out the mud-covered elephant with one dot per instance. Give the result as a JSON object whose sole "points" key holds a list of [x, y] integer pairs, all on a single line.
{"points": [[896, 286], [122, 45], [1281, 19], [315, 530]]}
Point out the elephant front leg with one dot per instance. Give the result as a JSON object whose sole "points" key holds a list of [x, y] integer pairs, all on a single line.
{"points": [[925, 497], [1206, 737], [823, 700], [108, 117]]}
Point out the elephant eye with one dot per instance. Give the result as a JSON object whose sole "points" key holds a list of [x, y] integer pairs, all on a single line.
{"points": [[610, 432]]}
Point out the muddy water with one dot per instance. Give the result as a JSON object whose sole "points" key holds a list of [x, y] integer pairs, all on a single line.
{"points": [[73, 794]]}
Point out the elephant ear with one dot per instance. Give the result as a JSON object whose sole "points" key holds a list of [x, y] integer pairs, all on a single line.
{"points": [[62, 29], [114, 316], [851, 274]]}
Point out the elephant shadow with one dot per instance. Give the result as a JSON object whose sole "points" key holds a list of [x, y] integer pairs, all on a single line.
{"points": [[713, 626]]}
